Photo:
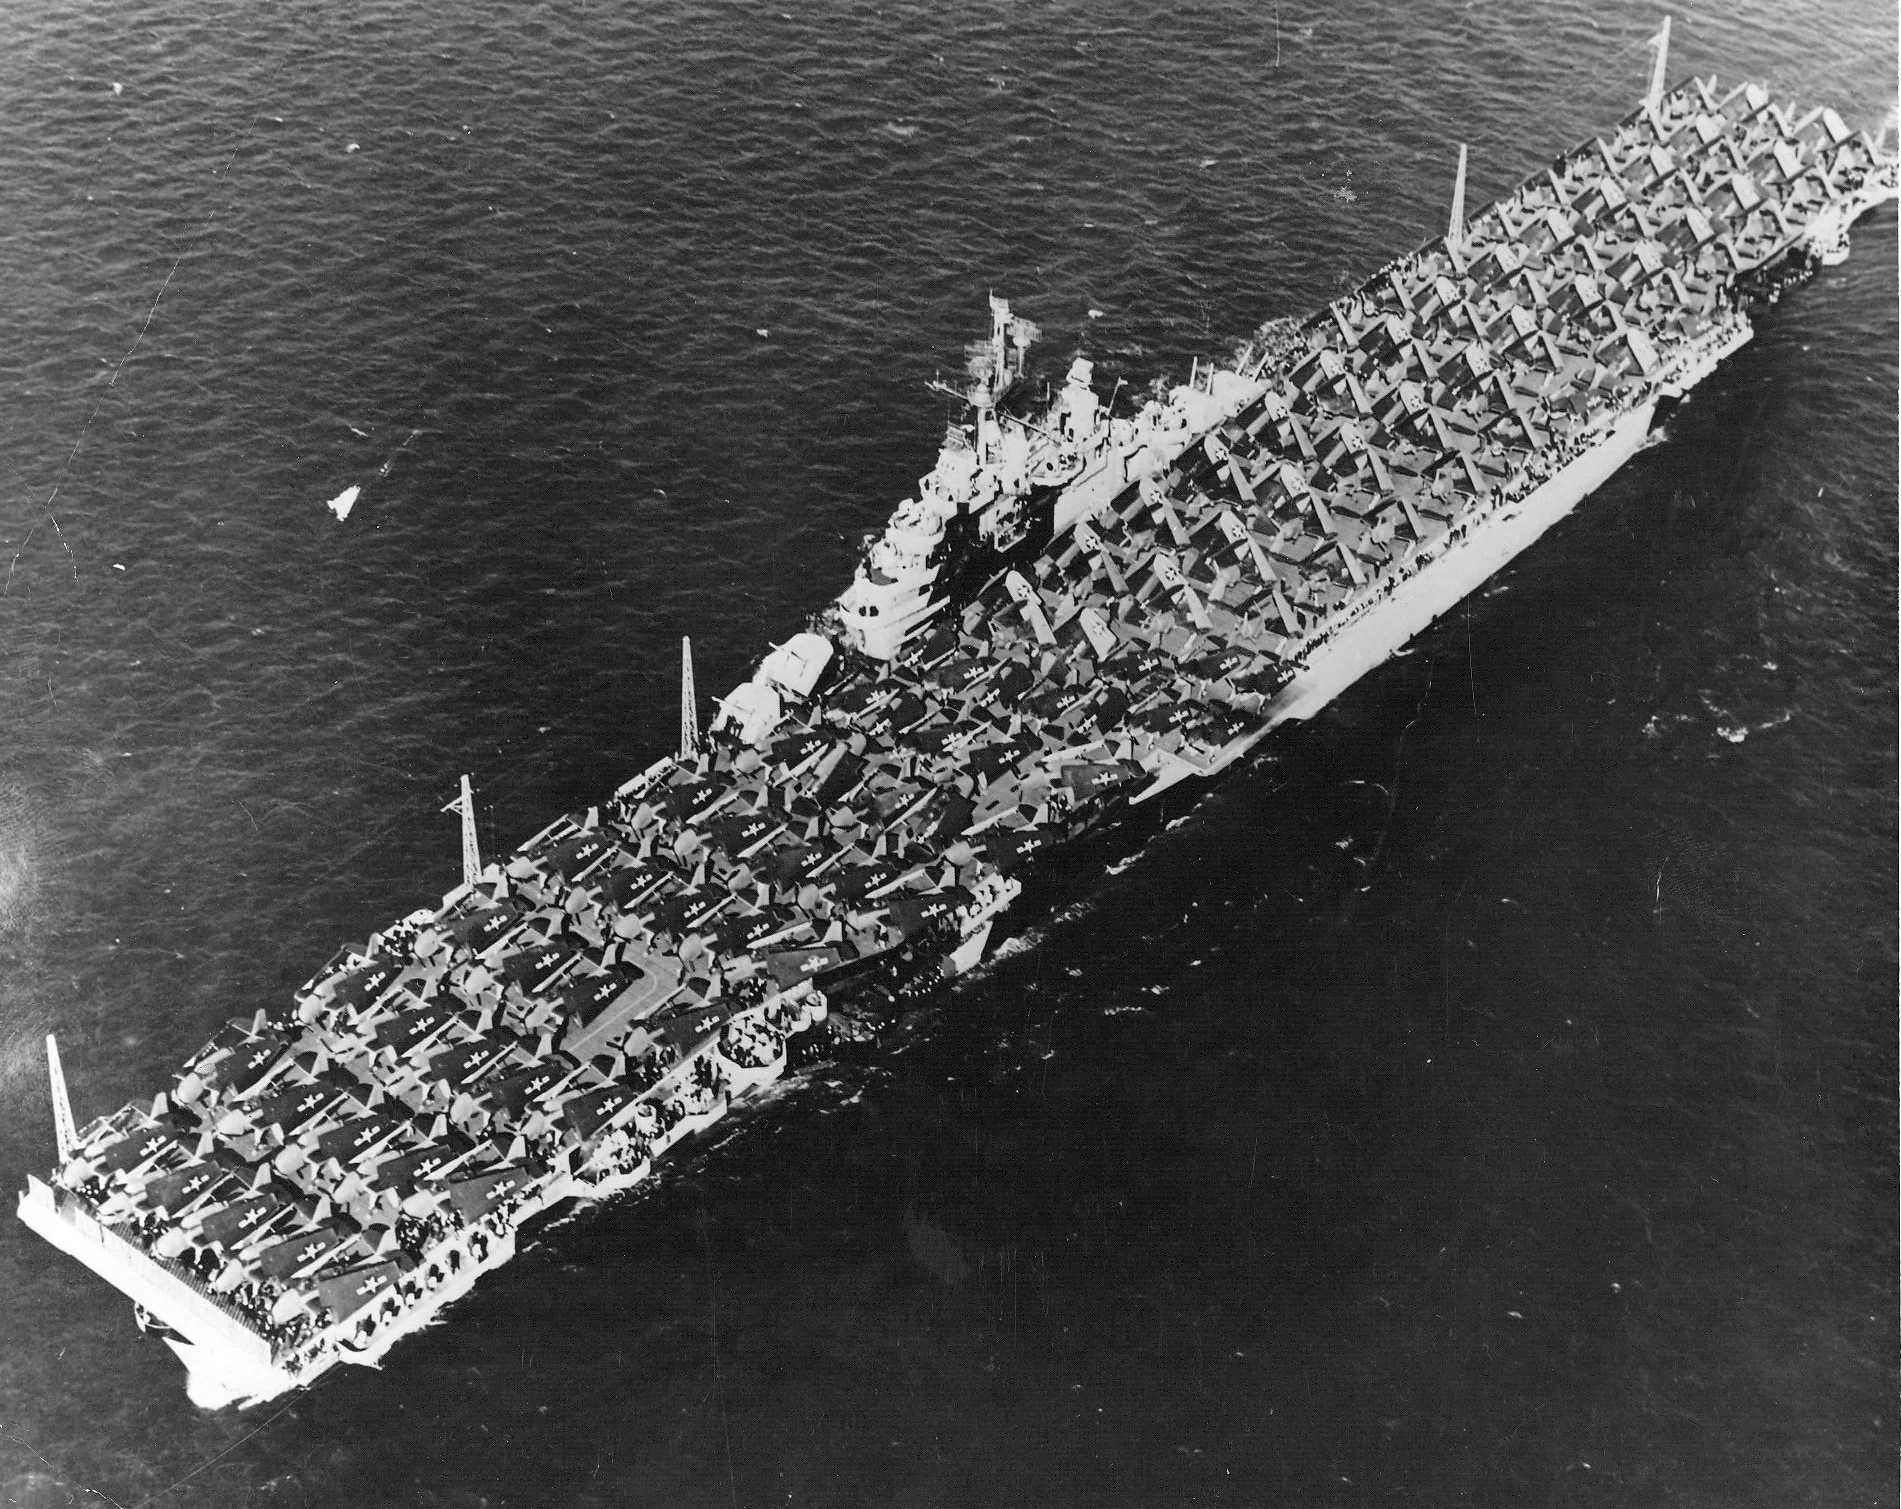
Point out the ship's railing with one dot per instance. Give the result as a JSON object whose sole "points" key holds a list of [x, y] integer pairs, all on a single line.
{"points": [[74, 1209]]}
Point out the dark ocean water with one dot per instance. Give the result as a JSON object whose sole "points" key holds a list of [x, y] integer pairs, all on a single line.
{"points": [[1487, 1098]]}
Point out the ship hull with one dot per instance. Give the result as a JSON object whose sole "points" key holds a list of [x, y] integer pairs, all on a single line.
{"points": [[226, 1363], [1386, 625], [321, 1180]]}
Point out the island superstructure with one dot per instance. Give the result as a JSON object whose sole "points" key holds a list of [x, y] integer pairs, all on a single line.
{"points": [[1076, 612]]}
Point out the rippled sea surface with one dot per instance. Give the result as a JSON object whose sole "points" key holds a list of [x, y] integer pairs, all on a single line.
{"points": [[1487, 1098]]}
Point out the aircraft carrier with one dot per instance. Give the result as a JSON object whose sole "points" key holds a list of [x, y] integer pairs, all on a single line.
{"points": [[1077, 611]]}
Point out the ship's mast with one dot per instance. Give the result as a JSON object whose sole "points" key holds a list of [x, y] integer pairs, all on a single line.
{"points": [[689, 706], [64, 1132], [991, 385], [471, 853], [1455, 223], [999, 342], [1662, 43]]}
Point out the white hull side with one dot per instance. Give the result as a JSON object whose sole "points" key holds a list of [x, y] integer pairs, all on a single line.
{"points": [[228, 1363], [964, 957], [1370, 639], [212, 1382], [613, 1184]]}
